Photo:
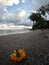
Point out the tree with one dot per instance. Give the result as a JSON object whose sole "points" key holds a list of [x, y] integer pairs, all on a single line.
{"points": [[35, 17], [40, 22]]}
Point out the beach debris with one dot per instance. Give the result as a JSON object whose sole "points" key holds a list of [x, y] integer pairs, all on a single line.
{"points": [[18, 55]]}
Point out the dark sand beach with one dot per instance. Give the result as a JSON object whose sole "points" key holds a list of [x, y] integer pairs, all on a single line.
{"points": [[35, 43]]}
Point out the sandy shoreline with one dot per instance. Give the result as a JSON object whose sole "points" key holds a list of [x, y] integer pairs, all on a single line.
{"points": [[35, 43]]}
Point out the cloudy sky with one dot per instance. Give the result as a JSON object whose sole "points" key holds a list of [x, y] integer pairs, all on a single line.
{"points": [[17, 11]]}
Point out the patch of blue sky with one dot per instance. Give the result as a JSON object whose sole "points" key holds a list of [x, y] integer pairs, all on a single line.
{"points": [[23, 6], [10, 8]]}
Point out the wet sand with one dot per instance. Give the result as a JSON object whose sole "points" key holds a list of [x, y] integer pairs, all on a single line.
{"points": [[35, 43]]}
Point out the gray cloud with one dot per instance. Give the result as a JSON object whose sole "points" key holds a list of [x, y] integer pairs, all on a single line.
{"points": [[36, 4]]}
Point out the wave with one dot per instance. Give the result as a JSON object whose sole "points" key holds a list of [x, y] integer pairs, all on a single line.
{"points": [[14, 31]]}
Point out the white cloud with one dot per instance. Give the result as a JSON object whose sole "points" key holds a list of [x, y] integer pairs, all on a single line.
{"points": [[23, 1], [22, 13], [10, 2], [15, 16]]}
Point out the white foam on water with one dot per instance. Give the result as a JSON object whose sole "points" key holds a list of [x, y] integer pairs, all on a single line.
{"points": [[14, 33], [14, 30]]}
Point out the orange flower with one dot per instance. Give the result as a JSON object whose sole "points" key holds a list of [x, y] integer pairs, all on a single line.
{"points": [[19, 59], [23, 55], [13, 57], [18, 55]]}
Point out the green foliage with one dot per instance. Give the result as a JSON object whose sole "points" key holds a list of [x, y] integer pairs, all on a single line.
{"points": [[17, 53], [40, 22], [35, 16]]}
